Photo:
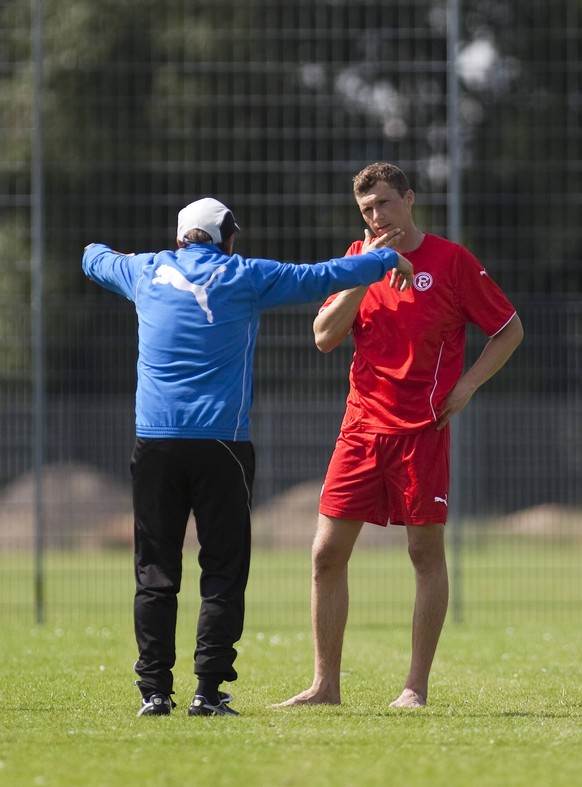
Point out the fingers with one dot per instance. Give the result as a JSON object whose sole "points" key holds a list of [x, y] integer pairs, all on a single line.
{"points": [[394, 237], [389, 239], [368, 242], [402, 274], [399, 280], [443, 419]]}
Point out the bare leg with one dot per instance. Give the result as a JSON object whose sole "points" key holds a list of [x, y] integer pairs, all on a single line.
{"points": [[427, 552], [332, 547]]}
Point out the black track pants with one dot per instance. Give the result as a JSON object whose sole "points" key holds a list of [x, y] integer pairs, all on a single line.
{"points": [[213, 479]]}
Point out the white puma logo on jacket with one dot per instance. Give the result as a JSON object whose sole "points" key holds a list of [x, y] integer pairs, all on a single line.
{"points": [[166, 274]]}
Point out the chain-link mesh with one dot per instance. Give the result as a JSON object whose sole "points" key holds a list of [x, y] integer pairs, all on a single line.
{"points": [[272, 106]]}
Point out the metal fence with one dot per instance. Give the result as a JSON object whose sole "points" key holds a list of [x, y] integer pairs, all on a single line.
{"points": [[115, 115], [518, 451]]}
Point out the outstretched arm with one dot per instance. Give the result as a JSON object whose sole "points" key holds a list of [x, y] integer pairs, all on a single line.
{"points": [[495, 355], [112, 269]]}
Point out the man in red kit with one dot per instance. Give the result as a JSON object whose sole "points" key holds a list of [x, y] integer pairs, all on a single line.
{"points": [[391, 459]]}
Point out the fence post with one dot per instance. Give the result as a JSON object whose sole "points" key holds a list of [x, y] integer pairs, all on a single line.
{"points": [[454, 233], [36, 296]]}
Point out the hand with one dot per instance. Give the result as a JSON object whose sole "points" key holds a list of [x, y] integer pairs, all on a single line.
{"points": [[389, 240], [458, 399], [401, 275]]}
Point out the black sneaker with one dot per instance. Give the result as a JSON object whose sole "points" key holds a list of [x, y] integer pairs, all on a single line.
{"points": [[201, 707], [156, 705]]}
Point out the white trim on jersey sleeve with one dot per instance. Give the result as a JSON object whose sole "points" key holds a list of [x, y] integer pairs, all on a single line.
{"points": [[503, 326]]}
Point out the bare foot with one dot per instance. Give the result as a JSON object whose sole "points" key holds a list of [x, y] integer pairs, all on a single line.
{"points": [[309, 697], [409, 699]]}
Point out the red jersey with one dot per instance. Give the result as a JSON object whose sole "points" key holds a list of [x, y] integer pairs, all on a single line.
{"points": [[409, 346]]}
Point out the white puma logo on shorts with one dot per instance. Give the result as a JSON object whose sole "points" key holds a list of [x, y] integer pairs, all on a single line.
{"points": [[442, 500], [166, 274]]}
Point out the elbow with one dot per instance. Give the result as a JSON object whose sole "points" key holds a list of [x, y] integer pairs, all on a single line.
{"points": [[518, 330], [327, 335], [323, 342], [328, 340], [520, 338], [321, 336]]}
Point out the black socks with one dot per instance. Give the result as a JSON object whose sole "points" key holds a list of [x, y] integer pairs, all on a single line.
{"points": [[208, 688]]}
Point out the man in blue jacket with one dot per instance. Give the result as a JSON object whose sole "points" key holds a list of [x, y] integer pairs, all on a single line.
{"points": [[198, 314]]}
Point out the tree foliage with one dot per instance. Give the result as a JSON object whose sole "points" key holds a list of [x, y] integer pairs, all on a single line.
{"points": [[272, 106]]}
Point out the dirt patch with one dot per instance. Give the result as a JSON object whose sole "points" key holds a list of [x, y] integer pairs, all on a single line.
{"points": [[85, 508], [548, 520], [289, 520], [78, 500]]}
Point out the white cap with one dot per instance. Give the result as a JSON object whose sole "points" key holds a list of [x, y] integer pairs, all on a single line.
{"points": [[210, 215]]}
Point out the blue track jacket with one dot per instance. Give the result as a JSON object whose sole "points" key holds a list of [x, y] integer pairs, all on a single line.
{"points": [[198, 316]]}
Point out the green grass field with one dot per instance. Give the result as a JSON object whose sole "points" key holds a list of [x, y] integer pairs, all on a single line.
{"points": [[505, 705]]}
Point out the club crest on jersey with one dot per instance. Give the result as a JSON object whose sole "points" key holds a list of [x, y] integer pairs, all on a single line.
{"points": [[422, 281]]}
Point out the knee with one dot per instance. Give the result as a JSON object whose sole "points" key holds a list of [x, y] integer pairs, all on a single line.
{"points": [[326, 559], [332, 546], [419, 557], [426, 556]]}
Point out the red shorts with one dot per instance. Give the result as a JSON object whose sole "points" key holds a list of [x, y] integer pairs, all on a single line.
{"points": [[401, 479]]}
